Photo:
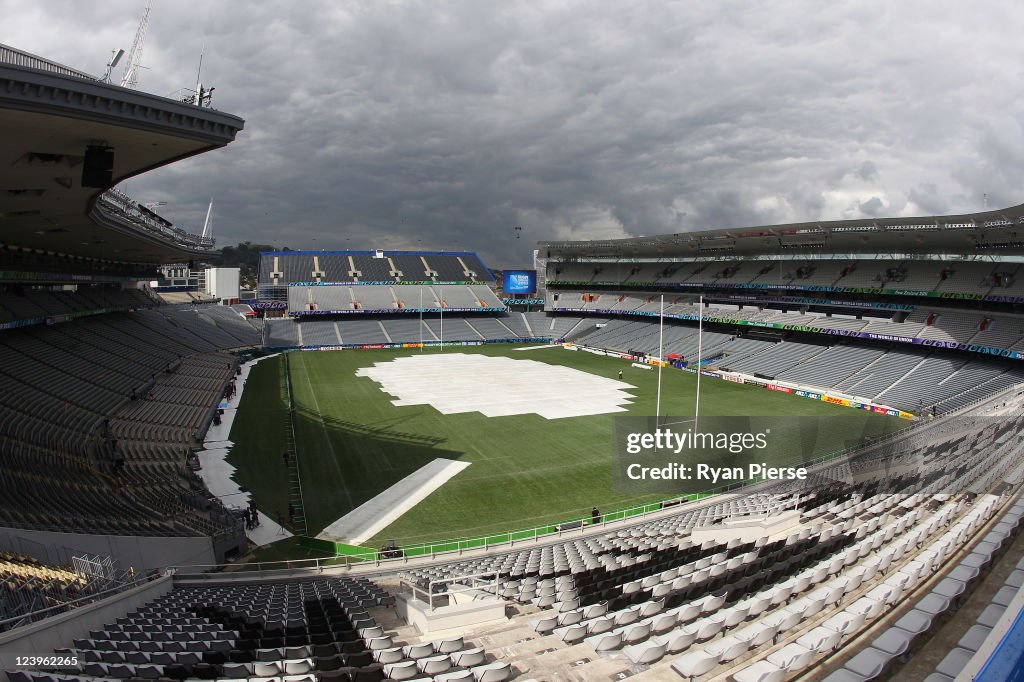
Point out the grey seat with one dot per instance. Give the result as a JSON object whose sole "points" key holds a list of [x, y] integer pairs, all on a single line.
{"points": [[954, 662], [914, 622], [932, 604], [1004, 596], [991, 615], [869, 663], [974, 637], [894, 641]]}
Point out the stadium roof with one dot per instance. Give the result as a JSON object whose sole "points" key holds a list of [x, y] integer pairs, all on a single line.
{"points": [[999, 232], [50, 114]]}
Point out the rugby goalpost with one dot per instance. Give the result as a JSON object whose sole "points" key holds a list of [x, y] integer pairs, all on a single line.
{"points": [[661, 359]]}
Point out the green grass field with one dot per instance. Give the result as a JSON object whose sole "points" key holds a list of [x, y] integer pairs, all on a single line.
{"points": [[526, 470]]}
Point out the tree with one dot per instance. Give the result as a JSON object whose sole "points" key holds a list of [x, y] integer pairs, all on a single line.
{"points": [[246, 257]]}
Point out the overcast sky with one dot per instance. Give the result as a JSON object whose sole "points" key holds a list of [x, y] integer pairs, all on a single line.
{"points": [[446, 124]]}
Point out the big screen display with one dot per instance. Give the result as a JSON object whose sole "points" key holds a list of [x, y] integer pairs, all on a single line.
{"points": [[519, 282]]}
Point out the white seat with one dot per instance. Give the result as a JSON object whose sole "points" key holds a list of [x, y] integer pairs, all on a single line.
{"points": [[467, 658], [688, 612], [792, 657], [572, 633], [695, 663], [710, 626], [820, 639], [403, 670], [646, 653], [761, 671], [434, 665], [605, 641], [734, 615], [867, 607], [756, 634], [680, 639], [626, 616], [845, 622], [495, 672], [728, 648], [636, 632]]}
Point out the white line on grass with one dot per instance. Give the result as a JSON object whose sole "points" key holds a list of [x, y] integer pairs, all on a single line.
{"points": [[327, 437]]}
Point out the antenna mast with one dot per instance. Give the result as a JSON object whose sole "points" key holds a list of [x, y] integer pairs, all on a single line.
{"points": [[130, 79]]}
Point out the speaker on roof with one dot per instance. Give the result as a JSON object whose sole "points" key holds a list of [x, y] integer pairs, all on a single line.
{"points": [[98, 167]]}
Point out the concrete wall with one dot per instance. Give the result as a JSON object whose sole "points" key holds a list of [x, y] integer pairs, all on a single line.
{"points": [[59, 631], [138, 552]]}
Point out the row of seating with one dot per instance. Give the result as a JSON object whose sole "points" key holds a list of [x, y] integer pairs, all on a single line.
{"points": [[957, 277]]}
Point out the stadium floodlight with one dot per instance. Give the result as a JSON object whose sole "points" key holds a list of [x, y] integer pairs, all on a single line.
{"points": [[112, 64]]}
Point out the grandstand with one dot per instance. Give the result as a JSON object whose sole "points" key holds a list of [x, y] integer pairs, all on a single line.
{"points": [[107, 390], [897, 557]]}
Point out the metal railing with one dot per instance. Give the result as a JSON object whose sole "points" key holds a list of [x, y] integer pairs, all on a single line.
{"points": [[475, 585], [39, 614], [571, 527]]}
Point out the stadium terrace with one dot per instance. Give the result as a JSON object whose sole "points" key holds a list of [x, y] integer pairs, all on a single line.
{"points": [[394, 465]]}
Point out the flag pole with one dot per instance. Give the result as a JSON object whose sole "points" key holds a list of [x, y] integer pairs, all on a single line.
{"points": [[421, 318], [661, 351], [700, 339]]}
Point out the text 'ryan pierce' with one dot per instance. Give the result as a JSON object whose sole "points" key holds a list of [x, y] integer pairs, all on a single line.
{"points": [[714, 474]]}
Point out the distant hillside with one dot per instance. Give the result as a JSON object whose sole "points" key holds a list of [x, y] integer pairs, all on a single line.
{"points": [[246, 257]]}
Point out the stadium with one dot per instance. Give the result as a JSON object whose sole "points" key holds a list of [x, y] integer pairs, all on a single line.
{"points": [[394, 464]]}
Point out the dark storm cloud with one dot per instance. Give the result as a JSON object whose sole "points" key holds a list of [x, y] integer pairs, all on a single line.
{"points": [[446, 124]]}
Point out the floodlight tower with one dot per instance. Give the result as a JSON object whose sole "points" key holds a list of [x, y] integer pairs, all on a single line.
{"points": [[208, 223], [130, 79]]}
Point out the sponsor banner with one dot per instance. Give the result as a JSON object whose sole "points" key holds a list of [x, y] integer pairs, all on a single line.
{"points": [[386, 282], [14, 324], [392, 311], [807, 394], [735, 378], [392, 346], [523, 301], [777, 387], [835, 401], [67, 317], [640, 365], [710, 373], [949, 295], [22, 275]]}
